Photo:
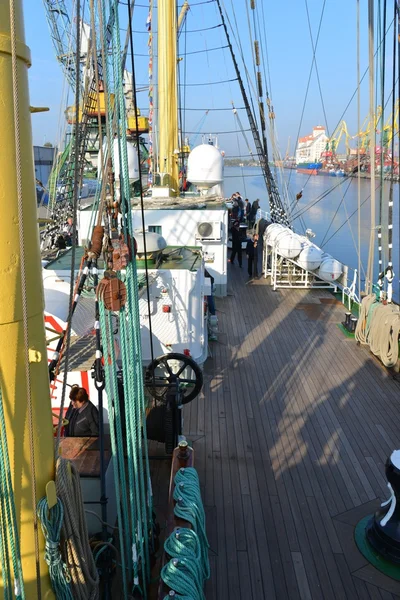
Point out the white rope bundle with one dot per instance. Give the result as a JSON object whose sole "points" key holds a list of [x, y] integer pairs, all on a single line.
{"points": [[380, 330], [361, 333], [78, 554], [384, 334]]}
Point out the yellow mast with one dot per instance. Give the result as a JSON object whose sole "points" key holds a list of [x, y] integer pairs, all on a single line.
{"points": [[167, 95], [12, 348]]}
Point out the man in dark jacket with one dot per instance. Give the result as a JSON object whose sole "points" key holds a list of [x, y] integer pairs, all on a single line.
{"points": [[247, 209], [251, 252], [82, 415], [253, 212], [236, 244]]}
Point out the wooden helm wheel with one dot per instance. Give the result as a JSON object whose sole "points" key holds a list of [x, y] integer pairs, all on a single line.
{"points": [[174, 368]]}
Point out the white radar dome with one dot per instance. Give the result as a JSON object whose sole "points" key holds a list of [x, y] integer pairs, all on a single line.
{"points": [[288, 244], [310, 258], [330, 269], [205, 166]]}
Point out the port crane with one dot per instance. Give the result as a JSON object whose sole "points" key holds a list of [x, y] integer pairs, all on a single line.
{"points": [[363, 135], [330, 154]]}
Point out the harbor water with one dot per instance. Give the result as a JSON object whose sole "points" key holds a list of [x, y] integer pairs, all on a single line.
{"points": [[334, 217]]}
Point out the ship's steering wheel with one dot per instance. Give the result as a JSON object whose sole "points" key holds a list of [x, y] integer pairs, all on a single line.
{"points": [[174, 369]]}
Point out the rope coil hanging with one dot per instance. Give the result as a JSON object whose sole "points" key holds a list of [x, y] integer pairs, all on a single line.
{"points": [[78, 554], [379, 327], [51, 521], [189, 506]]}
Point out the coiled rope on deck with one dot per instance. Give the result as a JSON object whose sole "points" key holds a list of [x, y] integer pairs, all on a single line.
{"points": [[379, 327], [51, 520]]}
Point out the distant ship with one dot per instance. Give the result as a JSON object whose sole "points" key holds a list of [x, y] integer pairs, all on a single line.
{"points": [[309, 168]]}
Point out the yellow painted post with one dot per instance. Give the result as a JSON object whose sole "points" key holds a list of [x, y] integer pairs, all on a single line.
{"points": [[12, 353], [168, 93]]}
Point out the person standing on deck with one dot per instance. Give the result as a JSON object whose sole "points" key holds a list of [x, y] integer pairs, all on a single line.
{"points": [[251, 252], [255, 259], [247, 209], [235, 207], [210, 299], [236, 244], [241, 206], [82, 415], [253, 212]]}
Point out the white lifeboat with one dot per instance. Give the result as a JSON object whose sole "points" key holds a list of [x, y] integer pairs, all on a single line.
{"points": [[330, 269], [310, 257], [272, 232], [205, 166], [288, 244]]}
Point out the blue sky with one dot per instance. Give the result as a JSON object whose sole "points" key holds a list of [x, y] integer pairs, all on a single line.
{"points": [[289, 53]]}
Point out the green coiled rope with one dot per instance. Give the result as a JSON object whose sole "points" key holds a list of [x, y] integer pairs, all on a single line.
{"points": [[189, 506], [185, 543], [184, 576], [51, 521]]}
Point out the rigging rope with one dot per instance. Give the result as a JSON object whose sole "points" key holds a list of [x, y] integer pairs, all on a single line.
{"points": [[127, 415], [358, 154], [381, 272], [9, 535], [308, 87], [141, 186], [74, 229]]}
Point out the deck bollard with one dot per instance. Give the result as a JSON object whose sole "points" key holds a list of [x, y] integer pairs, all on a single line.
{"points": [[383, 530]]}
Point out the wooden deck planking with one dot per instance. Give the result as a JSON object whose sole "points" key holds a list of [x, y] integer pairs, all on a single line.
{"points": [[291, 435]]}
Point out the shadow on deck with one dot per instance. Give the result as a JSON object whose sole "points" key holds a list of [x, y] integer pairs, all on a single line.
{"points": [[291, 435]]}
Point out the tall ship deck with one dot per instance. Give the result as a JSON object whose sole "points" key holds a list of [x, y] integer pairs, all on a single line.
{"points": [[291, 434]]}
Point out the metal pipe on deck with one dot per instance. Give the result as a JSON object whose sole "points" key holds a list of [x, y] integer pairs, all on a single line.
{"points": [[13, 375]]}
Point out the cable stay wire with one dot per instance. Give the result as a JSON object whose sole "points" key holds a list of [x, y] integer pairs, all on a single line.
{"points": [[143, 86], [139, 31], [192, 4], [308, 86], [187, 53], [348, 218], [336, 212], [313, 203], [315, 62], [216, 132]]}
